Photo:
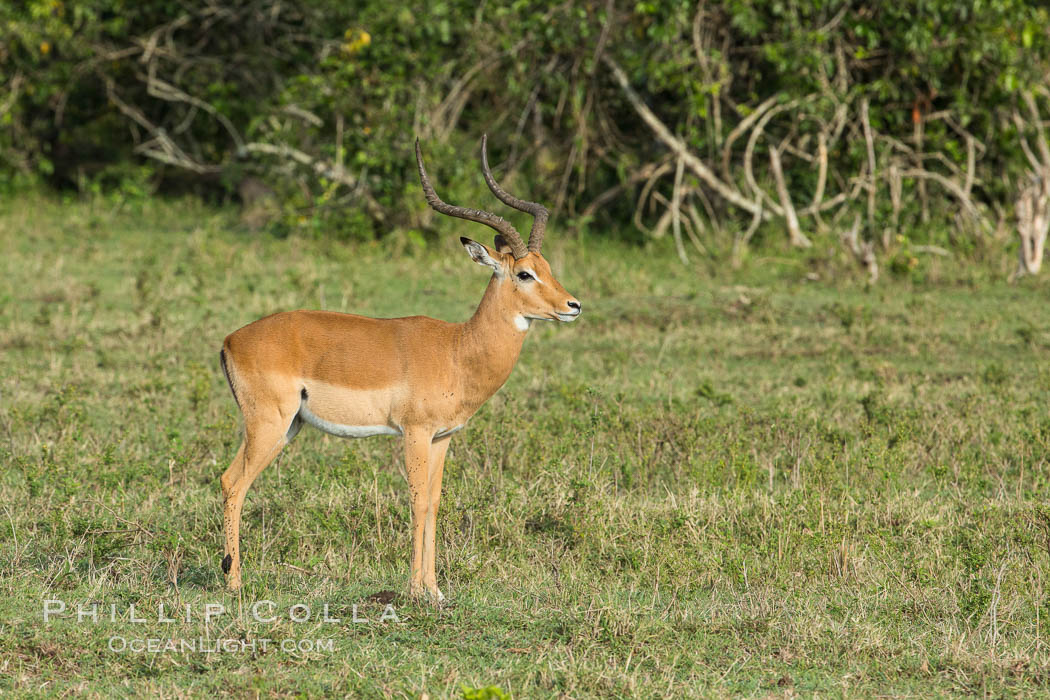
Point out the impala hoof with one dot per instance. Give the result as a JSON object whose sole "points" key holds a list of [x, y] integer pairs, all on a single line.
{"points": [[434, 596]]}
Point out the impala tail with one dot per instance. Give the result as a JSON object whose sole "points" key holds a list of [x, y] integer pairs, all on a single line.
{"points": [[226, 373]]}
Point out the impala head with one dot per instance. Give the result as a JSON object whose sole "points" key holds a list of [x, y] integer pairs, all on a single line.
{"points": [[521, 271]]}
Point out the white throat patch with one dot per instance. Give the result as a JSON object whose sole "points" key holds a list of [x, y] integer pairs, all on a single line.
{"points": [[522, 323]]}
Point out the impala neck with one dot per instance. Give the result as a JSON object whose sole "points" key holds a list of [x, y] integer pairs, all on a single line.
{"points": [[492, 338]]}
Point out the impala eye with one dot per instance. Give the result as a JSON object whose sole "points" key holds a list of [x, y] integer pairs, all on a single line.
{"points": [[524, 276]]}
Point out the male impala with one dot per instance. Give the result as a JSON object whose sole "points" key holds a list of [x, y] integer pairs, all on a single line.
{"points": [[354, 376]]}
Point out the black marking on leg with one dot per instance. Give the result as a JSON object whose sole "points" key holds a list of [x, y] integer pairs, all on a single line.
{"points": [[227, 562], [303, 394]]}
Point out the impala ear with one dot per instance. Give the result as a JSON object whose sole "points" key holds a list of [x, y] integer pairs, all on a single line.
{"points": [[501, 245], [482, 254]]}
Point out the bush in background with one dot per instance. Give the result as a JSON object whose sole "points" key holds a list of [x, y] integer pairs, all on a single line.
{"points": [[919, 121]]}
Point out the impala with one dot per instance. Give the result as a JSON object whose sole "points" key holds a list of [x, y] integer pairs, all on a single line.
{"points": [[417, 377]]}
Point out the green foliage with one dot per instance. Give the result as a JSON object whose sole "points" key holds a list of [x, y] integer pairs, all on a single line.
{"points": [[707, 391], [491, 692], [198, 95]]}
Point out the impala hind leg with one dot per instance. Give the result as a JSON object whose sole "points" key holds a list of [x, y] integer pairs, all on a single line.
{"points": [[263, 440], [436, 468]]}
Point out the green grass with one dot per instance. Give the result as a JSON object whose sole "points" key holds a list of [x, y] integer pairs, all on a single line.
{"points": [[713, 484]]}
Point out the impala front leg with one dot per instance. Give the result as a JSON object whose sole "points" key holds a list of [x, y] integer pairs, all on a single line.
{"points": [[437, 468], [417, 464]]}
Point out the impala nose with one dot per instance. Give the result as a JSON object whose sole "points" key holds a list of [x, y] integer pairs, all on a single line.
{"points": [[575, 306]]}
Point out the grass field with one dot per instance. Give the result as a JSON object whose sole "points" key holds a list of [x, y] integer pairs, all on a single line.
{"points": [[713, 484]]}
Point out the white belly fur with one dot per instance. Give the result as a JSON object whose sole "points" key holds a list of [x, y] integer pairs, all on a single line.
{"points": [[352, 413], [345, 412], [346, 431], [445, 432]]}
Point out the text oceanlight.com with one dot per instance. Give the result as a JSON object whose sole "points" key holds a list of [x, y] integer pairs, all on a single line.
{"points": [[156, 645]]}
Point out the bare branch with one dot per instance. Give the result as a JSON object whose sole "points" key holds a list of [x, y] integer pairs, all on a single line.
{"points": [[740, 241], [862, 251], [676, 211], [918, 130], [305, 115], [872, 174], [971, 158], [705, 68], [749, 151], [896, 200], [1032, 160], [13, 89], [794, 232], [320, 167], [1033, 110], [155, 87], [1033, 223], [953, 187], [643, 173], [739, 130], [822, 174], [160, 147], [680, 149]]}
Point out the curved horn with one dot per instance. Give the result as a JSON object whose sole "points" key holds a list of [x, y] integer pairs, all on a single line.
{"points": [[482, 217], [538, 211]]}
